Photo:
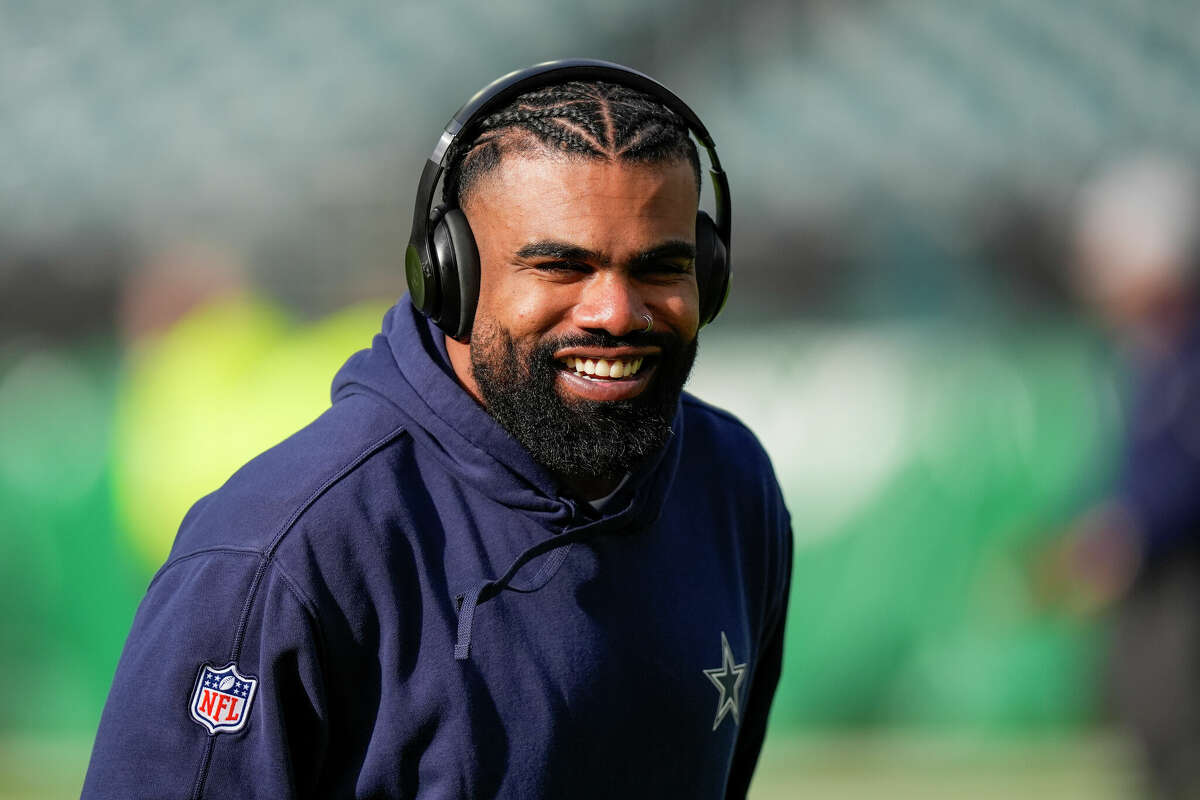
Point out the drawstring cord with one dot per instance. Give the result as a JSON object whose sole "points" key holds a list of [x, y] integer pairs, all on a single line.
{"points": [[485, 590]]}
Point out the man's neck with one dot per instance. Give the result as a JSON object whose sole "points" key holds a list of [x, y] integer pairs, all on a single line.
{"points": [[460, 362]]}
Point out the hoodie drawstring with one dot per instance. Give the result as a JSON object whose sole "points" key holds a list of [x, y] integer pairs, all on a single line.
{"points": [[485, 590]]}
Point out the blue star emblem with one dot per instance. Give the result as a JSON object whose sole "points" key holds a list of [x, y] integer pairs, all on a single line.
{"points": [[728, 679]]}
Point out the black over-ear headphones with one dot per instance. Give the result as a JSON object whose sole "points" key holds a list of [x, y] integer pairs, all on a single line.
{"points": [[442, 262]]}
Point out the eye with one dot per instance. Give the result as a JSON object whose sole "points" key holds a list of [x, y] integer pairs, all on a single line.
{"points": [[562, 267], [667, 269]]}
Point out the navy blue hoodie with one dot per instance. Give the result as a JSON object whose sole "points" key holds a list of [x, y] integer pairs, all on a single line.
{"points": [[398, 602]]}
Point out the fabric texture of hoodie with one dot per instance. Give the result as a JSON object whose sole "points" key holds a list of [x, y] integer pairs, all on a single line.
{"points": [[398, 602]]}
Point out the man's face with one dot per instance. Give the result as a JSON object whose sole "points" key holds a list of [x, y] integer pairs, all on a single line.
{"points": [[574, 253]]}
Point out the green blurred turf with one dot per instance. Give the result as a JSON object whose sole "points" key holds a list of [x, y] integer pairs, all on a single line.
{"points": [[857, 766]]}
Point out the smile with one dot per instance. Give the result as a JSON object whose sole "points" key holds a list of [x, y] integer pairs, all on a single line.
{"points": [[608, 368]]}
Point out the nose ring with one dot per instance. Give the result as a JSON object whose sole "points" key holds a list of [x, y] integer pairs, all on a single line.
{"points": [[649, 323]]}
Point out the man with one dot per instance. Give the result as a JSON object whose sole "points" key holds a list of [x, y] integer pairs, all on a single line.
{"points": [[1137, 236], [515, 563]]}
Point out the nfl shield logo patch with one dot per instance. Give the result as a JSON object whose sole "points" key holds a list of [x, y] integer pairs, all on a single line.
{"points": [[222, 697]]}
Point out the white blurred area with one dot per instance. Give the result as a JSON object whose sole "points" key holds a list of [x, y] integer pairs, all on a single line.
{"points": [[832, 407]]}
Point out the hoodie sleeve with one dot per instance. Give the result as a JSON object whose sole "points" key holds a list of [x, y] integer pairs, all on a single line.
{"points": [[203, 614], [766, 675]]}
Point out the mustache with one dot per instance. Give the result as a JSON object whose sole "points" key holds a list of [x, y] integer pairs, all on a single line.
{"points": [[661, 339]]}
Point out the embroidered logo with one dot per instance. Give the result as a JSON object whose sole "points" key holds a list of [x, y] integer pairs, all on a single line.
{"points": [[222, 697], [728, 679]]}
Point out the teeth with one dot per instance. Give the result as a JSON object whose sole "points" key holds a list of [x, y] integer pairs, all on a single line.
{"points": [[603, 367]]}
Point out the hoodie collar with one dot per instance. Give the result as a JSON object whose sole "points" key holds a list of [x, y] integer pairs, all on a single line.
{"points": [[407, 369]]}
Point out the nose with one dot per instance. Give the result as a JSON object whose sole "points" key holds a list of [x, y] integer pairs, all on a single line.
{"points": [[612, 303]]}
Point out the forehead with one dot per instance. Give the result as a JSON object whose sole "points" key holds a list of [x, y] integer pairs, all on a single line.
{"points": [[595, 203]]}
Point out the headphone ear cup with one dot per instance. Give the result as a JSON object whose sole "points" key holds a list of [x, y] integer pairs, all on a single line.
{"points": [[458, 270], [712, 268], [422, 278]]}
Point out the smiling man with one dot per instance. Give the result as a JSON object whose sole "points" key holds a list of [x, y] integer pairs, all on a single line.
{"points": [[513, 559]]}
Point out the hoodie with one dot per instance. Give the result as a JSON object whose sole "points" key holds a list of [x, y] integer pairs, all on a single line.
{"points": [[398, 602]]}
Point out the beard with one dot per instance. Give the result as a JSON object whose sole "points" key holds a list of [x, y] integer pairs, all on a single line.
{"points": [[572, 437]]}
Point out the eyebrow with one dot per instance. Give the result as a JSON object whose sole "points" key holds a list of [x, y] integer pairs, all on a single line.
{"points": [[667, 251], [551, 248]]}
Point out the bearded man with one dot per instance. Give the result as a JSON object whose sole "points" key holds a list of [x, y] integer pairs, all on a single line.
{"points": [[513, 559]]}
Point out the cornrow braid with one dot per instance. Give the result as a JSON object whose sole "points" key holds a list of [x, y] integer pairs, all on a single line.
{"points": [[592, 119]]}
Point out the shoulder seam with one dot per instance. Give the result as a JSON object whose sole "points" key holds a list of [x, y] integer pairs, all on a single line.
{"points": [[353, 464]]}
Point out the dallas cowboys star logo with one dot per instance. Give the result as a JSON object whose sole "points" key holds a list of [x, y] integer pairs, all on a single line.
{"points": [[728, 679]]}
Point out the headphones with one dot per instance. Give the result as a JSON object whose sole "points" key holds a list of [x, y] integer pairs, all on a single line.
{"points": [[441, 263]]}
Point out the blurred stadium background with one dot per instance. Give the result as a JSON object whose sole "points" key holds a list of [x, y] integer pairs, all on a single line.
{"points": [[202, 211]]}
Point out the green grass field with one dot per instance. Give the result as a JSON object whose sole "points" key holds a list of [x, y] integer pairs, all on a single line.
{"points": [[828, 767]]}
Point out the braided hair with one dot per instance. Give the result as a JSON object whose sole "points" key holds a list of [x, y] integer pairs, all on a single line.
{"points": [[591, 119]]}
